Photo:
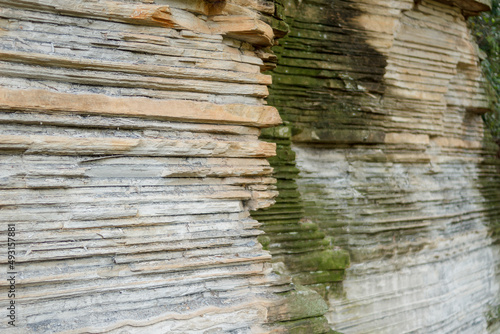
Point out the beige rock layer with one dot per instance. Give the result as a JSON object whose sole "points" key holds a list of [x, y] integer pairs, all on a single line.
{"points": [[129, 162]]}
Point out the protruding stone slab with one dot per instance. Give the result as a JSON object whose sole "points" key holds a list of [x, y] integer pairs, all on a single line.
{"points": [[175, 110], [470, 7]]}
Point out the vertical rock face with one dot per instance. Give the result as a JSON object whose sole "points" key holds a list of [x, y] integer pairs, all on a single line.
{"points": [[129, 162], [384, 101]]}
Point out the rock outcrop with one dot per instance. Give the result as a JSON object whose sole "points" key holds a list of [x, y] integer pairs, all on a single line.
{"points": [[383, 99], [129, 162], [141, 160]]}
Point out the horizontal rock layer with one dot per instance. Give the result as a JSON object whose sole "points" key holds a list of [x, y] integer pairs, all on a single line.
{"points": [[129, 162], [383, 99], [298, 247]]}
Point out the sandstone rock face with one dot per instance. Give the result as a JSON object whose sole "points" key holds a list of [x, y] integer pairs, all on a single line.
{"points": [[135, 140], [129, 162], [383, 99]]}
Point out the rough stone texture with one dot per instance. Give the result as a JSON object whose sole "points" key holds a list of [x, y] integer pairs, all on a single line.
{"points": [[129, 162], [299, 248], [384, 101]]}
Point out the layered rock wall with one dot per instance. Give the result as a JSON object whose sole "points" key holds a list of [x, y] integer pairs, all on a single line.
{"points": [[383, 99], [129, 161]]}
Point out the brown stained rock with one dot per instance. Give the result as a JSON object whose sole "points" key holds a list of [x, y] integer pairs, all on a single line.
{"points": [[243, 28], [215, 7]]}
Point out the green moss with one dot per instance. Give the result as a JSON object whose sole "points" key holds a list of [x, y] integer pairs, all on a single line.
{"points": [[304, 245], [265, 241], [319, 261], [278, 132], [319, 277], [304, 303], [317, 325]]}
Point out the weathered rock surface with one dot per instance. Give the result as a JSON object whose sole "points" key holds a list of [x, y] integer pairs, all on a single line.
{"points": [[129, 162], [383, 99]]}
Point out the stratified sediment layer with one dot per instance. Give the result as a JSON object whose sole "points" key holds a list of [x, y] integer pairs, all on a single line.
{"points": [[383, 99], [129, 162]]}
